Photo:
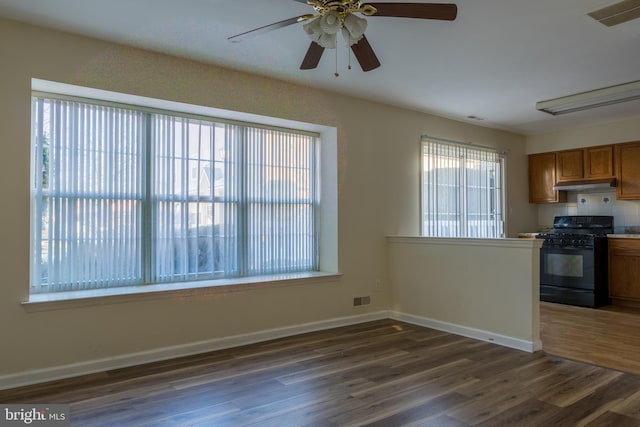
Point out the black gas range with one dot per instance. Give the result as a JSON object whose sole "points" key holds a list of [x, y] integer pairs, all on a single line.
{"points": [[573, 261]]}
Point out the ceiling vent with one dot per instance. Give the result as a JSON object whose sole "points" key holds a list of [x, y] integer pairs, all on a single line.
{"points": [[618, 13]]}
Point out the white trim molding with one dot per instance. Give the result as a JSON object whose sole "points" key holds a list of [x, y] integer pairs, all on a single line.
{"points": [[507, 242], [465, 331], [165, 353], [93, 366]]}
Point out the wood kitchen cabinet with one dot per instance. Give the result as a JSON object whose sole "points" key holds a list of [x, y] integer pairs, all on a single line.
{"points": [[627, 160], [542, 178], [569, 165], [585, 163], [598, 162], [624, 269]]}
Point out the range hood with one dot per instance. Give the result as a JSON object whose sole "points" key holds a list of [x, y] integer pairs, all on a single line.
{"points": [[586, 185]]}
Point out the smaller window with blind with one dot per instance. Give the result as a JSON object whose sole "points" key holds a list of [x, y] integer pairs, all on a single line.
{"points": [[462, 190]]}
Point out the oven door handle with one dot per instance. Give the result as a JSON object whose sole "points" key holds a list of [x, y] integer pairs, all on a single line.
{"points": [[569, 248]]}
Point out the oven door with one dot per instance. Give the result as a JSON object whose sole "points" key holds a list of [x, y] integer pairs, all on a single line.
{"points": [[568, 267]]}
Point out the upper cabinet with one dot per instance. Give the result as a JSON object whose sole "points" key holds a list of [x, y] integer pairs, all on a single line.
{"points": [[585, 163], [619, 161], [542, 178], [569, 165], [628, 171], [598, 162]]}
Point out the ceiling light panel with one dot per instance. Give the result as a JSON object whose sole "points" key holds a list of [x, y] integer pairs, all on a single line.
{"points": [[592, 99], [618, 13]]}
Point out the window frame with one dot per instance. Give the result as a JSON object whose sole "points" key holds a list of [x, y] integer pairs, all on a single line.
{"points": [[326, 265]]}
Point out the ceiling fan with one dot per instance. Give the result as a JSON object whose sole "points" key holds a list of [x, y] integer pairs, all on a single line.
{"points": [[333, 16]]}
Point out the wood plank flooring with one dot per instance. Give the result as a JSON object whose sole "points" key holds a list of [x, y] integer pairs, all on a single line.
{"points": [[608, 336], [382, 373]]}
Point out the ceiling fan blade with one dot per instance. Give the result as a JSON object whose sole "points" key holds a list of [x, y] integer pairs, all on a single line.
{"points": [[265, 29], [365, 55], [442, 11], [312, 58]]}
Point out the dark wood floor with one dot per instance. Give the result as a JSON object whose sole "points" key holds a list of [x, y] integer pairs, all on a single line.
{"points": [[384, 373]]}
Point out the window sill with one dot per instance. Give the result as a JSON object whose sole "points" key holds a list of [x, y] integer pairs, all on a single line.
{"points": [[75, 299]]}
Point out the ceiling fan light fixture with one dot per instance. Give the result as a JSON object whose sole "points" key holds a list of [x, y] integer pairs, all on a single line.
{"points": [[324, 29], [313, 29], [353, 29], [331, 22], [317, 34], [328, 41]]}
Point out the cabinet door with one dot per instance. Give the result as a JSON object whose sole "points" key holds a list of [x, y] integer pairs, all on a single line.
{"points": [[569, 165], [598, 162], [624, 269], [627, 162], [542, 178]]}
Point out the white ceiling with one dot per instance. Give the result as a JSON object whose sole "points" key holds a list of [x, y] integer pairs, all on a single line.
{"points": [[495, 61]]}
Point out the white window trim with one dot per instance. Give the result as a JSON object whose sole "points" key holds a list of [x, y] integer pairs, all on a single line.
{"points": [[204, 288], [327, 215]]}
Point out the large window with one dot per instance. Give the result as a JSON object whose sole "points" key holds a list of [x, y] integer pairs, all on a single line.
{"points": [[462, 190], [127, 196]]}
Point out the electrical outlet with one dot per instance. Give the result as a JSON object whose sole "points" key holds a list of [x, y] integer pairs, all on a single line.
{"points": [[377, 285]]}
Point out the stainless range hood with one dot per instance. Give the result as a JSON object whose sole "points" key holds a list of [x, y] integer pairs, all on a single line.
{"points": [[586, 185]]}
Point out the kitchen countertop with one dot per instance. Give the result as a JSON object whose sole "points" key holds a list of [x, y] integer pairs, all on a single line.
{"points": [[527, 235], [623, 236]]}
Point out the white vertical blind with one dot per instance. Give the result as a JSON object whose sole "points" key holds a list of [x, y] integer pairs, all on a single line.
{"points": [[194, 200], [280, 202], [124, 197], [87, 194], [462, 190]]}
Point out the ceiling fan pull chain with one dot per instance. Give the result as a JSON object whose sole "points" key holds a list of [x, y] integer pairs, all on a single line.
{"points": [[336, 73]]}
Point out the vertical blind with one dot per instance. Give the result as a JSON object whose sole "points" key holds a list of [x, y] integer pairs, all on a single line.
{"points": [[88, 196], [462, 190], [124, 197], [279, 202]]}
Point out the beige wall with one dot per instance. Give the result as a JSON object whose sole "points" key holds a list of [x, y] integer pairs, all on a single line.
{"points": [[586, 136], [377, 184], [490, 287]]}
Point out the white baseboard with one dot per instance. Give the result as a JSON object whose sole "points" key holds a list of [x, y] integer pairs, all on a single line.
{"points": [[165, 353], [479, 334]]}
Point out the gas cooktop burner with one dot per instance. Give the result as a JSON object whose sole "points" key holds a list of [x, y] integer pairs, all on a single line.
{"points": [[577, 231], [583, 224], [570, 240]]}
